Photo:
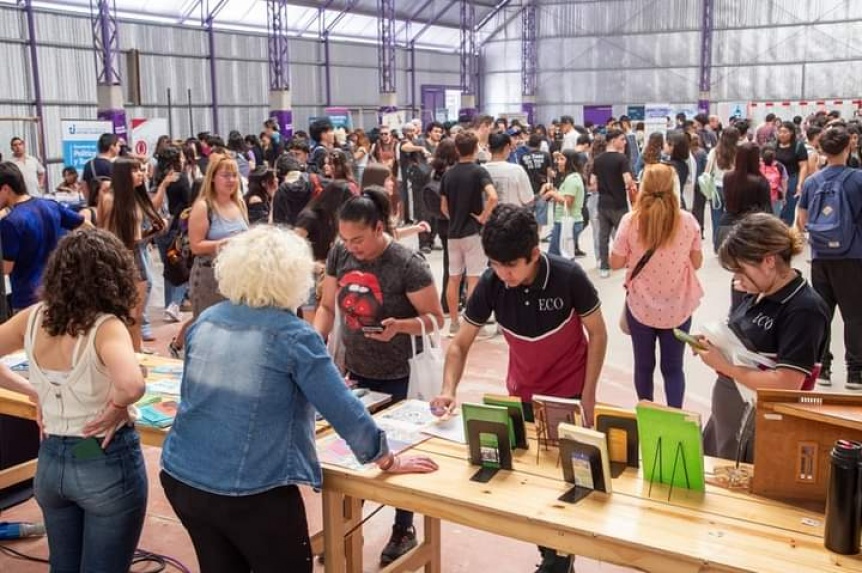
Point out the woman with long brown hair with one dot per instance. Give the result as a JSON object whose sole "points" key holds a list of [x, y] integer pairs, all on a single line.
{"points": [[125, 211], [660, 245], [746, 190], [720, 160]]}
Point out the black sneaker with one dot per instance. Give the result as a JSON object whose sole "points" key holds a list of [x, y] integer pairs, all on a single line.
{"points": [[824, 378], [403, 539], [554, 563], [854, 381]]}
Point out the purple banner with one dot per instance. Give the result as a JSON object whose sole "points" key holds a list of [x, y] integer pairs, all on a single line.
{"points": [[117, 117], [284, 118], [467, 114], [598, 114]]}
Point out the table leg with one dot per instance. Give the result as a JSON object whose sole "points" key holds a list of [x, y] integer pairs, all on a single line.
{"points": [[354, 542], [433, 541], [334, 529]]}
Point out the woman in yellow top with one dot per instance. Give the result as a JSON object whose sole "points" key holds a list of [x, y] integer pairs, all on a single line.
{"points": [[568, 194]]}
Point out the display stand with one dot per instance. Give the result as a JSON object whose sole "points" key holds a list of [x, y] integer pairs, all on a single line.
{"points": [[489, 447], [657, 464]]}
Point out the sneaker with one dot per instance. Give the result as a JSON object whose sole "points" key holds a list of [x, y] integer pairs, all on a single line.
{"points": [[454, 327], [604, 273], [172, 313], [854, 381], [580, 254], [824, 378], [554, 563], [403, 539], [426, 250]]}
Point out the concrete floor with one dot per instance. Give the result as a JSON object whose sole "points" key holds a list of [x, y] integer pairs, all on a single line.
{"points": [[464, 549]]}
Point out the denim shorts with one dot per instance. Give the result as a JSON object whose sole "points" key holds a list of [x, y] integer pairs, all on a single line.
{"points": [[93, 508]]}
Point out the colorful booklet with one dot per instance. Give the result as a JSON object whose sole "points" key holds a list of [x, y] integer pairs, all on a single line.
{"points": [[550, 411], [488, 429], [620, 425], [585, 457]]}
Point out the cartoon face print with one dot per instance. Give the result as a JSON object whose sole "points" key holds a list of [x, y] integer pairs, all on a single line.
{"points": [[360, 299]]}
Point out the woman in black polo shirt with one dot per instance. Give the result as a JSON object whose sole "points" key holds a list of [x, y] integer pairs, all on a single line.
{"points": [[780, 317]]}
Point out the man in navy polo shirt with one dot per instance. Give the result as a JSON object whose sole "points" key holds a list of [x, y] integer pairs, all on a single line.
{"points": [[551, 317]]}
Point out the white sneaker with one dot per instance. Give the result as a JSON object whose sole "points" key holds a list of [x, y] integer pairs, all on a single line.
{"points": [[454, 327], [604, 273], [172, 313]]}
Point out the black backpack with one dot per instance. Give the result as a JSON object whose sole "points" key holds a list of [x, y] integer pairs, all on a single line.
{"points": [[289, 200], [431, 198]]}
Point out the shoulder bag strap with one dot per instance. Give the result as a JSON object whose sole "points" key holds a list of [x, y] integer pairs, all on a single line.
{"points": [[641, 264]]}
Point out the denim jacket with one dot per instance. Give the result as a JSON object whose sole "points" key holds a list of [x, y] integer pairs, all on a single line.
{"points": [[252, 380]]}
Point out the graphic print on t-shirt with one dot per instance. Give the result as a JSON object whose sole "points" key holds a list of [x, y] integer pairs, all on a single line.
{"points": [[360, 299]]}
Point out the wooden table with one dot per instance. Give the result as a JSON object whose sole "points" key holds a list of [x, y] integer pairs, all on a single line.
{"points": [[720, 530]]}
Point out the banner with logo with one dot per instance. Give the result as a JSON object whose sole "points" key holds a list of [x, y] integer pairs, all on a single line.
{"points": [[81, 140], [657, 117], [145, 134]]}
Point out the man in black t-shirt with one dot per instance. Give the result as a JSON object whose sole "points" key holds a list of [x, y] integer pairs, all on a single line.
{"points": [[612, 175], [537, 163], [461, 201], [101, 165]]}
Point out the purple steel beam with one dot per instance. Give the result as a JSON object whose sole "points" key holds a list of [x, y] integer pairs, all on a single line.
{"points": [[37, 80], [316, 18], [528, 49], [433, 21], [347, 8], [105, 42], [707, 27], [386, 48], [494, 11], [279, 56], [468, 46], [413, 17]]}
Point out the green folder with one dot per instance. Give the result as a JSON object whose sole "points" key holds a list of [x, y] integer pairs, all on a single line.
{"points": [[671, 446], [484, 413]]}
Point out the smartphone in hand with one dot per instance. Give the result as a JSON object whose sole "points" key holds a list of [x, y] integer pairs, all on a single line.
{"points": [[683, 336]]}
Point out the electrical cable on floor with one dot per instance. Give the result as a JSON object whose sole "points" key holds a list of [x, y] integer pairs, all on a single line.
{"points": [[161, 562], [361, 523]]}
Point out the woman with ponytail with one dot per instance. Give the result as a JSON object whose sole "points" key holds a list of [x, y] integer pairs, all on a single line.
{"points": [[385, 295], [660, 246]]}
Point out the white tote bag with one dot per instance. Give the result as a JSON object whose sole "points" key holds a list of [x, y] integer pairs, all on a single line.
{"points": [[426, 367], [567, 234]]}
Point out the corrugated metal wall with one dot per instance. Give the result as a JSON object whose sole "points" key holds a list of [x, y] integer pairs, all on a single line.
{"points": [[175, 58], [641, 51]]}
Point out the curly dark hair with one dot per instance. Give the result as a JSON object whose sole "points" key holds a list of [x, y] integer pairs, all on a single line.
{"points": [[90, 273]]}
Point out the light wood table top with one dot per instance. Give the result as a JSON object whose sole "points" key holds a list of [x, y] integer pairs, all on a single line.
{"points": [[719, 530]]}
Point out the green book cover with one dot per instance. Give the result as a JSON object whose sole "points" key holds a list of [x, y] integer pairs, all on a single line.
{"points": [[484, 413], [669, 437], [515, 407]]}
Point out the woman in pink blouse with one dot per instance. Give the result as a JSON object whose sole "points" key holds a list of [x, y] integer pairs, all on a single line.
{"points": [[663, 242]]}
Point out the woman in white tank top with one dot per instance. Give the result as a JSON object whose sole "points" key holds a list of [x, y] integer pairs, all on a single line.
{"points": [[90, 481]]}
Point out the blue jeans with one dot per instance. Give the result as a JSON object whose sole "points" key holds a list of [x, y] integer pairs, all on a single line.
{"points": [[716, 217], [148, 267], [94, 509], [672, 352], [173, 294], [788, 212], [554, 247]]}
